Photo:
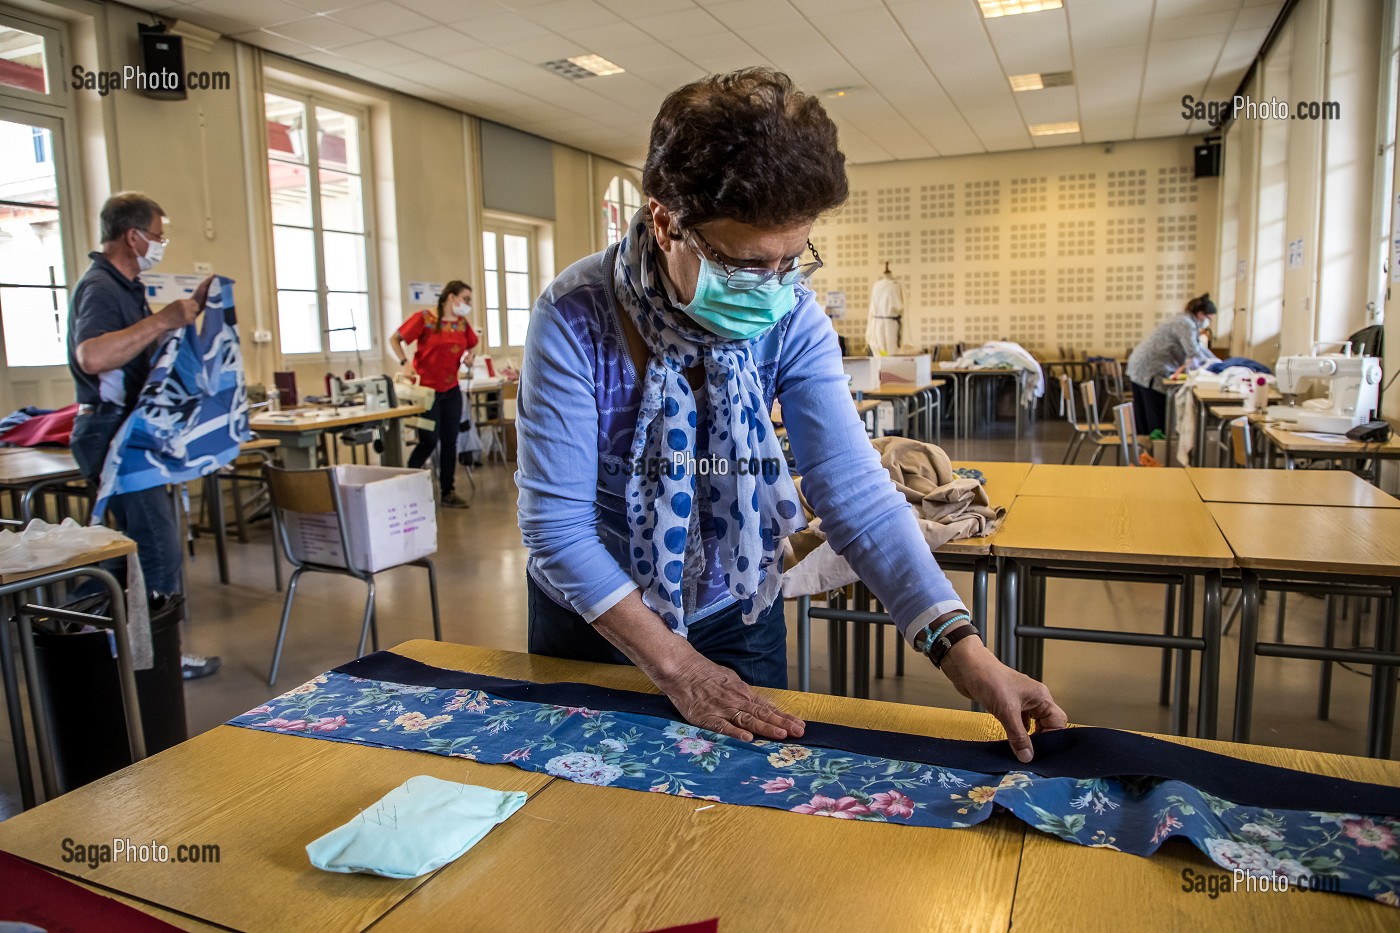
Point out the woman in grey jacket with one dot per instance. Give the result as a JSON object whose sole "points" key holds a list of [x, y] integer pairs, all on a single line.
{"points": [[1175, 345]]}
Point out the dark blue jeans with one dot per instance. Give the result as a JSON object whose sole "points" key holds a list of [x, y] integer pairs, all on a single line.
{"points": [[146, 517], [757, 653], [447, 415]]}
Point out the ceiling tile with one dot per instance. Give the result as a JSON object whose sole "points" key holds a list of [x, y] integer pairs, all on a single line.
{"points": [[378, 52], [437, 41], [683, 24], [382, 19], [320, 31], [1192, 27], [564, 15], [500, 28], [543, 49], [488, 62], [1258, 17], [450, 11], [274, 43], [746, 16], [1195, 7]]}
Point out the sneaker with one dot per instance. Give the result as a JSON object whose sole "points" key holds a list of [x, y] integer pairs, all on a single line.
{"points": [[454, 501], [195, 666]]}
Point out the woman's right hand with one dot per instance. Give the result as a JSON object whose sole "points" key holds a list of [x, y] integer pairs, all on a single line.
{"points": [[713, 697]]}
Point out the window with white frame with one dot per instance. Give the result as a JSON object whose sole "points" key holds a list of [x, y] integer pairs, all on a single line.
{"points": [[34, 199], [622, 202], [320, 222], [507, 251]]}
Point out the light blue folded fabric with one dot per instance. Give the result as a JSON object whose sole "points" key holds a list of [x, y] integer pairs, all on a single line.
{"points": [[417, 827]]}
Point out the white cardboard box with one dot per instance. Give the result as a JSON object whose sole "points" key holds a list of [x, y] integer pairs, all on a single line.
{"points": [[864, 372], [914, 369], [389, 519]]}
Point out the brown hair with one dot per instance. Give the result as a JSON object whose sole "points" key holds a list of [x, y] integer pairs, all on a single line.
{"points": [[745, 146], [449, 290]]}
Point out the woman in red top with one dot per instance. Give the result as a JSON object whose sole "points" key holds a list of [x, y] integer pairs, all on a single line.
{"points": [[441, 339]]}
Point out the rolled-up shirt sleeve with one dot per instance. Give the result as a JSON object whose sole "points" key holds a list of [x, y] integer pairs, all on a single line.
{"points": [[557, 468], [863, 515]]}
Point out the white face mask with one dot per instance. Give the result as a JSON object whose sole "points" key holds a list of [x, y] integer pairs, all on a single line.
{"points": [[155, 250], [463, 309]]}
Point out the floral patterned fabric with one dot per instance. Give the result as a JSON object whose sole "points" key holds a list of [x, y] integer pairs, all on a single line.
{"points": [[1351, 853]]}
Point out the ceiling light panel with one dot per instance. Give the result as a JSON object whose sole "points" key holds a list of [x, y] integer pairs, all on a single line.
{"points": [[991, 9]]}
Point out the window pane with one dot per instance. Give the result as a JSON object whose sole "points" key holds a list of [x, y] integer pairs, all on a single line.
{"points": [[291, 194], [493, 293], [345, 262], [298, 322], [517, 249], [36, 325], [488, 250], [345, 310], [518, 322], [294, 258], [342, 207], [31, 246], [340, 140], [286, 128], [517, 290], [26, 164], [22, 61], [493, 326]]}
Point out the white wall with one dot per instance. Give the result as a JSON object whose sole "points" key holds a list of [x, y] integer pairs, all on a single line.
{"points": [[1086, 247]]}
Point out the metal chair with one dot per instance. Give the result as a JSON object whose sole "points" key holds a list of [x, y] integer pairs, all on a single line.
{"points": [[1103, 439], [1241, 442], [1129, 451], [1079, 427], [314, 492]]}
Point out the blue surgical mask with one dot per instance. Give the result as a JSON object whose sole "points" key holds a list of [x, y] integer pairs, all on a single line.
{"points": [[733, 313]]}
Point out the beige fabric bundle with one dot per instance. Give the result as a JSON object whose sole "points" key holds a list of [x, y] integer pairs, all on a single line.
{"points": [[947, 506]]}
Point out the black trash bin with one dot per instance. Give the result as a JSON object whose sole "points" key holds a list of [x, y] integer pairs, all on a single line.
{"points": [[78, 676]]}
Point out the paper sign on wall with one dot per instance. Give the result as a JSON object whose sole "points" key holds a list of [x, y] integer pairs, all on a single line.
{"points": [[163, 287], [420, 293], [836, 304], [1295, 253], [1395, 240], [1240, 270]]}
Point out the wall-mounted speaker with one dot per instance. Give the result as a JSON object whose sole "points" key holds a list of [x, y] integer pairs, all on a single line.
{"points": [[1208, 160], [162, 64]]}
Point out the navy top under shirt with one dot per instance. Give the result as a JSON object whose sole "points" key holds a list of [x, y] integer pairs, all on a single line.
{"points": [[105, 300]]}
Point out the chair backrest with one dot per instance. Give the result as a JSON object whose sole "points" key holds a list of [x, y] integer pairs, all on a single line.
{"points": [[1067, 407], [304, 492], [1088, 394], [1242, 442], [1127, 434]]}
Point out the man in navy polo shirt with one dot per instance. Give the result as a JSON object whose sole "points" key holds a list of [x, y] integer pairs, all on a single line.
{"points": [[112, 333]]}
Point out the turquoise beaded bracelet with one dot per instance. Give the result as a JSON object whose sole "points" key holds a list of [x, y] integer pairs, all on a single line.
{"points": [[932, 633]]}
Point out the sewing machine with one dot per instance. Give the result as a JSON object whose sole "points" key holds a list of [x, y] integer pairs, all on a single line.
{"points": [[1353, 391], [376, 392]]}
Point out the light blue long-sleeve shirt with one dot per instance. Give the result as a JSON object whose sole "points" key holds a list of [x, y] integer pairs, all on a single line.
{"points": [[575, 418]]}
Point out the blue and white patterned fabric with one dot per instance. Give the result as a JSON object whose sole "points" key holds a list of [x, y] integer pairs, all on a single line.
{"points": [[752, 513], [192, 413]]}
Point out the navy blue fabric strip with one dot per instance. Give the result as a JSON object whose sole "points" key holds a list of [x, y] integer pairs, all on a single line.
{"points": [[1083, 752]]}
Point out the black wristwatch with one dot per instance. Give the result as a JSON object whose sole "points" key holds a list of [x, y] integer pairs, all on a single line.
{"points": [[944, 643]]}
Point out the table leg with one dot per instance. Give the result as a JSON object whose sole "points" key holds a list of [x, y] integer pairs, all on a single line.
{"points": [[1380, 722], [879, 652], [1329, 638], [981, 571], [1008, 598], [216, 517], [860, 661], [804, 643], [18, 737], [1249, 637], [1208, 710], [299, 450], [1181, 701], [1164, 692], [38, 709], [393, 443]]}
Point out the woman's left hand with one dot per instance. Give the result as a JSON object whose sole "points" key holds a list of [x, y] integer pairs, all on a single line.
{"points": [[1012, 697]]}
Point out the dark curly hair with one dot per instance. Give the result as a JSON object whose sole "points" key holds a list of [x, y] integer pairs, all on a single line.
{"points": [[745, 146]]}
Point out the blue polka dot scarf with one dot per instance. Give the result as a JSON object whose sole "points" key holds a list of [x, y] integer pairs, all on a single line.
{"points": [[751, 513]]}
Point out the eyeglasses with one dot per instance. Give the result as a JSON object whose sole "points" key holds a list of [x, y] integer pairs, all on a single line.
{"points": [[745, 278], [152, 238]]}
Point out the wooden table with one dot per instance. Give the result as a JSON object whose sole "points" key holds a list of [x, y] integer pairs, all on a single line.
{"points": [[1292, 444], [1115, 539], [1289, 487], [1206, 397], [299, 430], [1325, 551], [963, 407], [914, 400], [29, 471], [1108, 482], [602, 859]]}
